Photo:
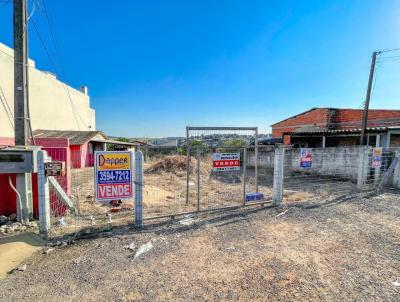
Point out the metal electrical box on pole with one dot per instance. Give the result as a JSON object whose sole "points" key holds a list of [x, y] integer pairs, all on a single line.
{"points": [[23, 180]]}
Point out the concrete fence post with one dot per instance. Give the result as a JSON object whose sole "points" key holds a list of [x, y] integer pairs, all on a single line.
{"points": [[138, 189], [363, 165], [396, 173], [277, 194], [43, 195]]}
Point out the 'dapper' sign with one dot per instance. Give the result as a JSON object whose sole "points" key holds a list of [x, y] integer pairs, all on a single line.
{"points": [[113, 175], [226, 162]]}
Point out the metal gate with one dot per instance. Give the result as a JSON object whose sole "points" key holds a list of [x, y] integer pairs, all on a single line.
{"points": [[182, 180]]}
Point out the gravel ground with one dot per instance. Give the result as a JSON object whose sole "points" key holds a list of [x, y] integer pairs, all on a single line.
{"points": [[338, 251]]}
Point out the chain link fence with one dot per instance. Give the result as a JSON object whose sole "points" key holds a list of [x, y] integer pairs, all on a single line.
{"points": [[330, 173], [182, 180], [72, 199]]}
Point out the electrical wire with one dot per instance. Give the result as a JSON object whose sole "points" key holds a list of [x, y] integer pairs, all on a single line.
{"points": [[28, 110], [53, 36], [61, 70], [388, 50], [75, 111], [5, 3]]}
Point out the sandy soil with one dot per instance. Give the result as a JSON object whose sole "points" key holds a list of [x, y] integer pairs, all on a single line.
{"points": [[15, 249], [346, 250]]}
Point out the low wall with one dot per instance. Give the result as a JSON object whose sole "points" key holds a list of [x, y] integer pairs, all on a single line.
{"points": [[341, 162]]}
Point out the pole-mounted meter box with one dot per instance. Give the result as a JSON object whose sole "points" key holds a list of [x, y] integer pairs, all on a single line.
{"points": [[18, 159]]}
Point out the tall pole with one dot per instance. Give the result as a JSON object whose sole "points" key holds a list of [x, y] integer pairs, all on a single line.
{"points": [[367, 98], [256, 158], [20, 73], [24, 180]]}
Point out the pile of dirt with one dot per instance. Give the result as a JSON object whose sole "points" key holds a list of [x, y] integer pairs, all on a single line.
{"points": [[171, 164]]}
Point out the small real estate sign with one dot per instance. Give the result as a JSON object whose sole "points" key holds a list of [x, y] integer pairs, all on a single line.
{"points": [[305, 158], [226, 162], [377, 157], [113, 175]]}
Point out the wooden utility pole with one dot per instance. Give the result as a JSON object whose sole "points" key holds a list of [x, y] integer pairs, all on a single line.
{"points": [[23, 180], [367, 98]]}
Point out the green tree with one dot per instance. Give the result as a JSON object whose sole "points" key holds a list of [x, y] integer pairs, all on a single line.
{"points": [[234, 143]]}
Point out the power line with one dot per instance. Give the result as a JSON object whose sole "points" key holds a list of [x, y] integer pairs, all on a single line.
{"points": [[389, 50], [389, 57], [75, 111], [5, 3], [43, 45], [53, 36]]}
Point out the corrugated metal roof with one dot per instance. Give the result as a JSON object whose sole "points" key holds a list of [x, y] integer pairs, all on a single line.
{"points": [[114, 142], [75, 137], [341, 131]]}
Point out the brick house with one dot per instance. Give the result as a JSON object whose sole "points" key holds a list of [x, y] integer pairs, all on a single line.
{"points": [[331, 127]]}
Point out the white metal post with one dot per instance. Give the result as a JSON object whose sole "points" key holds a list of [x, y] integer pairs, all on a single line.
{"points": [[198, 180], [43, 194], [256, 158], [138, 189], [278, 176], [244, 173], [187, 165]]}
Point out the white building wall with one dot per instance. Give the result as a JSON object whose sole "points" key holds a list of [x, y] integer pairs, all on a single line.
{"points": [[51, 107]]}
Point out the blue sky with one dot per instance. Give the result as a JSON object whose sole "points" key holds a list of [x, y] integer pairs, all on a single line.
{"points": [[153, 67]]}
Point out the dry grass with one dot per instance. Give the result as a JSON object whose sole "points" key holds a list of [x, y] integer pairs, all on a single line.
{"points": [[165, 187]]}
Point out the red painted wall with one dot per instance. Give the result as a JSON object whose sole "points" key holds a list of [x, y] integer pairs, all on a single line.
{"points": [[58, 149], [8, 198], [8, 201], [76, 160], [81, 156]]}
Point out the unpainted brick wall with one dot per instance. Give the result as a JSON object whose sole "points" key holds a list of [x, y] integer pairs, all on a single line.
{"points": [[317, 117]]}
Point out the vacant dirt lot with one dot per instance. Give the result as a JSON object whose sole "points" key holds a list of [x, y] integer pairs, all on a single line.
{"points": [[338, 251]]}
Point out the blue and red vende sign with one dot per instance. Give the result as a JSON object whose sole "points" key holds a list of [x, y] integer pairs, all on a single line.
{"points": [[113, 175], [305, 158]]}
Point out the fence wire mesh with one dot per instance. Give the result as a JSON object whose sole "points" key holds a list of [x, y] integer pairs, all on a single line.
{"points": [[329, 173], [164, 181], [181, 180], [72, 199], [178, 180]]}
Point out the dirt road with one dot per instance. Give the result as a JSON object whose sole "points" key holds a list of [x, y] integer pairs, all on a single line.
{"points": [[341, 251]]}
